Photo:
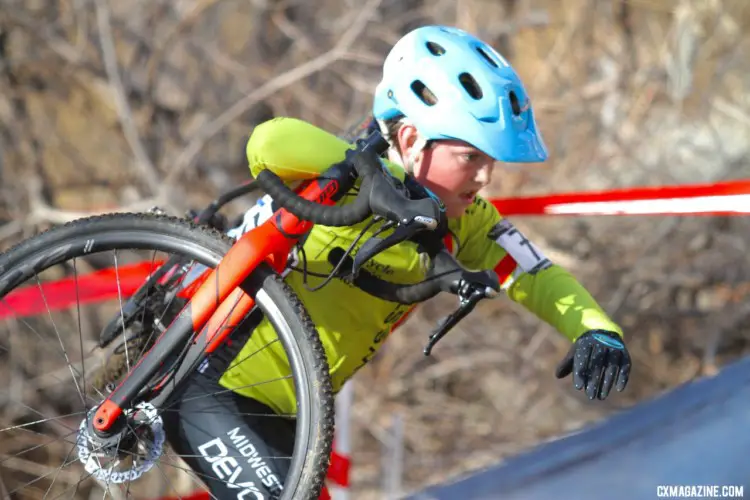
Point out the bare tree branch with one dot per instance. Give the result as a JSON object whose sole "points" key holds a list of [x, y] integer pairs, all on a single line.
{"points": [[9, 229], [41, 212], [3, 489], [165, 42], [191, 151], [292, 31], [69, 53], [147, 169]]}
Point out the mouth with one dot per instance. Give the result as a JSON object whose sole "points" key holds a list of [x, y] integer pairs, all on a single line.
{"points": [[468, 196]]}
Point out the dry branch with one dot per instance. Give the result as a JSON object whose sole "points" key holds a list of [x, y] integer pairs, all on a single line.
{"points": [[165, 42], [3, 489], [66, 51], [148, 171], [9, 229], [41, 213], [193, 148]]}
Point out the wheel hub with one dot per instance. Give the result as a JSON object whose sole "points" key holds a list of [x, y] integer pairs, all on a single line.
{"points": [[127, 454]]}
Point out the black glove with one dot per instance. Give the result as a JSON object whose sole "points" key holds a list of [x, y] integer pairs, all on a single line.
{"points": [[596, 359]]}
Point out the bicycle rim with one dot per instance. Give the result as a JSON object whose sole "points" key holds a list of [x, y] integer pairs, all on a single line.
{"points": [[40, 421]]}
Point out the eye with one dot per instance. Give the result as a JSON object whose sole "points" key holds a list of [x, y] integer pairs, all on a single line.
{"points": [[469, 157]]}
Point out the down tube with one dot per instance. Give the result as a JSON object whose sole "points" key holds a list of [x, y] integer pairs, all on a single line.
{"points": [[277, 235], [272, 240]]}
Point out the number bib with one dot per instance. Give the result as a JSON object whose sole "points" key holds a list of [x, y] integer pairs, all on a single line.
{"points": [[528, 256]]}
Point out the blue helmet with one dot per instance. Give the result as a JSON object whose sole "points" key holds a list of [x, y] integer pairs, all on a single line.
{"points": [[451, 85]]}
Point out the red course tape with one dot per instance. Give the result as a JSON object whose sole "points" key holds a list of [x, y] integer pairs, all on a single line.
{"points": [[724, 198]]}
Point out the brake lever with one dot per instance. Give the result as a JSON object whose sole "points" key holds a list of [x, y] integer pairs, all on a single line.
{"points": [[469, 294], [390, 199]]}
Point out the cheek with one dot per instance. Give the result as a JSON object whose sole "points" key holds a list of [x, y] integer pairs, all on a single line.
{"points": [[444, 183], [444, 178], [447, 186], [441, 176]]}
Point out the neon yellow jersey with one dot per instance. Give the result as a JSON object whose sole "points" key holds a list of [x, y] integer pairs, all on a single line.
{"points": [[352, 324]]}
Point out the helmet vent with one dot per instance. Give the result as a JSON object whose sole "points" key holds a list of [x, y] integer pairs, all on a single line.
{"points": [[424, 93], [470, 85], [487, 57], [435, 48], [515, 105]]}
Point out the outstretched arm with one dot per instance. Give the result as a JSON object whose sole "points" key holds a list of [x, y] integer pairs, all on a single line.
{"points": [[529, 278], [598, 358], [554, 295]]}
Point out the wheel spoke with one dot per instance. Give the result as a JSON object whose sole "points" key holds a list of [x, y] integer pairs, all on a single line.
{"points": [[80, 330], [43, 342], [65, 460], [62, 344], [36, 422], [42, 429], [122, 316], [226, 391], [38, 446]]}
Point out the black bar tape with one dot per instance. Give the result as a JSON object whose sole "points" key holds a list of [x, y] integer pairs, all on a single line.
{"points": [[327, 215]]}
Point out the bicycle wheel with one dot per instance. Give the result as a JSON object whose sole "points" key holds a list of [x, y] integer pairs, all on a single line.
{"points": [[50, 315]]}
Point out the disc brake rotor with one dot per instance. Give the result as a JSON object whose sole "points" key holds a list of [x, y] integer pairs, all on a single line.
{"points": [[128, 455]]}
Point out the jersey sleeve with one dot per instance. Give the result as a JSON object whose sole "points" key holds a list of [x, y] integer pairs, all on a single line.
{"points": [[529, 278]]}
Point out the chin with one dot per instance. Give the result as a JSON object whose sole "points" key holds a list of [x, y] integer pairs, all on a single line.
{"points": [[455, 210]]}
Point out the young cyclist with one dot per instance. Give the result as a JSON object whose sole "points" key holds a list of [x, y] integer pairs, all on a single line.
{"points": [[452, 110]]}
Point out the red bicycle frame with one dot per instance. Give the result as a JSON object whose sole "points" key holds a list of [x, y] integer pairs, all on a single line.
{"points": [[219, 303]]}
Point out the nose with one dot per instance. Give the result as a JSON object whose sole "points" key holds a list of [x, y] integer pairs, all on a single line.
{"points": [[484, 174]]}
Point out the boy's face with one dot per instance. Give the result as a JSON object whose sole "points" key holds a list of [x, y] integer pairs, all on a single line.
{"points": [[454, 170]]}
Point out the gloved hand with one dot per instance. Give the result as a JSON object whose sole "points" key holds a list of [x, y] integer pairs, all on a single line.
{"points": [[597, 358]]}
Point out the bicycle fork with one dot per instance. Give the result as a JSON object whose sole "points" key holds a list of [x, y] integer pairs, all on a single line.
{"points": [[220, 302]]}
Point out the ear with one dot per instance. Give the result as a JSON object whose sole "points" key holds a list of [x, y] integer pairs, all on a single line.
{"points": [[407, 136]]}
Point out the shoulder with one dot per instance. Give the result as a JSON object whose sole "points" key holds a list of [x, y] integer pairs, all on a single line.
{"points": [[297, 148], [292, 148], [281, 129]]}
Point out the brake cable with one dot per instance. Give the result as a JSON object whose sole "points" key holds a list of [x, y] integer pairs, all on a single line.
{"points": [[335, 271]]}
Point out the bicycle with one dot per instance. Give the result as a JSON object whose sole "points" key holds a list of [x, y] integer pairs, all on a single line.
{"points": [[121, 424]]}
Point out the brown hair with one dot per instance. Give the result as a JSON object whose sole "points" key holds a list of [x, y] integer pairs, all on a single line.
{"points": [[392, 126]]}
